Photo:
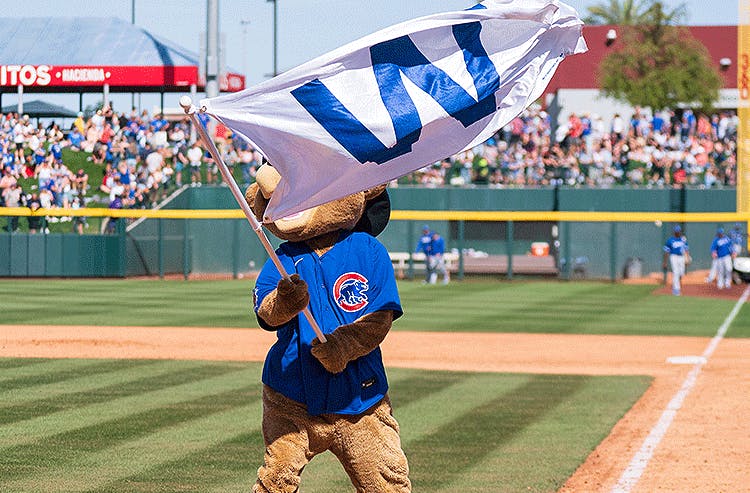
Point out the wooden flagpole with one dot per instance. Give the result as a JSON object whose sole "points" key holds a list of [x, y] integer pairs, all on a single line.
{"points": [[190, 110]]}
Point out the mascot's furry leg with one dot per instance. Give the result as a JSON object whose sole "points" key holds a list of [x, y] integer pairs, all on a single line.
{"points": [[367, 445], [369, 448]]}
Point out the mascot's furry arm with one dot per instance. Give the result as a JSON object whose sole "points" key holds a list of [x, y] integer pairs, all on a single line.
{"points": [[284, 303], [349, 342]]}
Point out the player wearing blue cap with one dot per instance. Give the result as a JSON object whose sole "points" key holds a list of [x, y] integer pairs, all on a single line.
{"points": [[676, 251], [722, 251]]}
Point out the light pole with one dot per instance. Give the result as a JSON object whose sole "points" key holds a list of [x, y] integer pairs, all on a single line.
{"points": [[244, 23], [132, 21], [212, 48], [275, 38]]}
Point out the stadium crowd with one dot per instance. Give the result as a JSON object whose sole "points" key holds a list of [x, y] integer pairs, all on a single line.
{"points": [[668, 149], [143, 157]]}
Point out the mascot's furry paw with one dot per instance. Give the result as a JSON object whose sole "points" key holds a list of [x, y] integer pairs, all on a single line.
{"points": [[288, 299], [294, 291], [352, 341], [330, 354]]}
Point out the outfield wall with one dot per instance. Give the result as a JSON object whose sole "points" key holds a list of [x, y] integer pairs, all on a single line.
{"points": [[227, 245], [200, 246]]}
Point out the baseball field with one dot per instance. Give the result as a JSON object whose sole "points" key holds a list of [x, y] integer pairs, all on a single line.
{"points": [[154, 386]]}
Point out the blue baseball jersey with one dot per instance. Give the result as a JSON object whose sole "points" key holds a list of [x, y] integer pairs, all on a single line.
{"points": [[438, 246], [352, 279], [676, 245], [722, 246], [424, 244]]}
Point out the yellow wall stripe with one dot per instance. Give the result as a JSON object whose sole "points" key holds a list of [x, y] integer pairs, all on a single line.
{"points": [[743, 107], [402, 215]]}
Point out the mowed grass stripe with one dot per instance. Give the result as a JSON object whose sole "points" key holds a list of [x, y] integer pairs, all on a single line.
{"points": [[97, 470], [43, 427], [91, 439], [485, 307], [197, 303], [104, 387], [557, 307], [452, 449], [45, 369], [586, 307], [91, 381], [552, 444], [229, 466], [15, 363]]}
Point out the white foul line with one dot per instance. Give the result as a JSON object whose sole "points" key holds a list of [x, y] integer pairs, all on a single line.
{"points": [[640, 460]]}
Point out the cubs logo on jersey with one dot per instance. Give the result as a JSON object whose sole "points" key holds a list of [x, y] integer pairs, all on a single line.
{"points": [[349, 291]]}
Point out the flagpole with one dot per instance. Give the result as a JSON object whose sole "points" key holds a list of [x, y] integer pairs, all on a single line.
{"points": [[190, 110]]}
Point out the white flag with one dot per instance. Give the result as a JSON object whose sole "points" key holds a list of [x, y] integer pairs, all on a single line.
{"points": [[401, 98]]}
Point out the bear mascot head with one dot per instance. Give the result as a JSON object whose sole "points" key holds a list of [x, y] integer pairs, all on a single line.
{"points": [[332, 395]]}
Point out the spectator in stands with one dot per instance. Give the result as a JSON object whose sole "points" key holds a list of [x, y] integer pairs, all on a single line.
{"points": [[75, 139], [79, 123], [195, 158], [19, 140], [249, 160], [13, 198], [79, 222], [6, 181], [212, 168], [35, 222], [178, 141]]}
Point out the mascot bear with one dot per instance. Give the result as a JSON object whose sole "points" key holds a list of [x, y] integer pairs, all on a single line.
{"points": [[333, 395]]}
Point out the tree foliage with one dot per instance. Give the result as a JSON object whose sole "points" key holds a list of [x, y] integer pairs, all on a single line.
{"points": [[660, 66], [634, 12]]}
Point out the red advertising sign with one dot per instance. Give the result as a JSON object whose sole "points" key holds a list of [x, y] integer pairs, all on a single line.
{"points": [[71, 76]]}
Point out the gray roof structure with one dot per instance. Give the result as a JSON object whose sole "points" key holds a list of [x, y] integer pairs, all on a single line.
{"points": [[86, 41], [41, 109]]}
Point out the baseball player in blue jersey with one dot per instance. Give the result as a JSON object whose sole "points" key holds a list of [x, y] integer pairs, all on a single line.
{"points": [[675, 251], [723, 253], [437, 259], [424, 245]]}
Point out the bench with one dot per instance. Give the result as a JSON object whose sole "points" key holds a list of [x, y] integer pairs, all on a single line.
{"points": [[400, 261], [491, 264]]}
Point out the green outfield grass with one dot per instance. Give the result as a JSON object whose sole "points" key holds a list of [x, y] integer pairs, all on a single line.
{"points": [[484, 306], [112, 426]]}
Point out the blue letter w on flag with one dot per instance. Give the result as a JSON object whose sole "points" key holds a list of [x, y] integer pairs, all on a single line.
{"points": [[389, 60]]}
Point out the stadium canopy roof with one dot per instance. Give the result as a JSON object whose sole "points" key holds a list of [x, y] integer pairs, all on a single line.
{"points": [[41, 109], [85, 54]]}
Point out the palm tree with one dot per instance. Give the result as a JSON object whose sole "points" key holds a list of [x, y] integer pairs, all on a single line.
{"points": [[634, 12]]}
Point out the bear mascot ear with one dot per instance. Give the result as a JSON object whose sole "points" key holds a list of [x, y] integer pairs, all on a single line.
{"points": [[377, 211]]}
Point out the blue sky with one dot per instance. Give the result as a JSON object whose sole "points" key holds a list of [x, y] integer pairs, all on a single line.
{"points": [[306, 28]]}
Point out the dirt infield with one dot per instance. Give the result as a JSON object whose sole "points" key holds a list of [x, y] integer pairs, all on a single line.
{"points": [[705, 449]]}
